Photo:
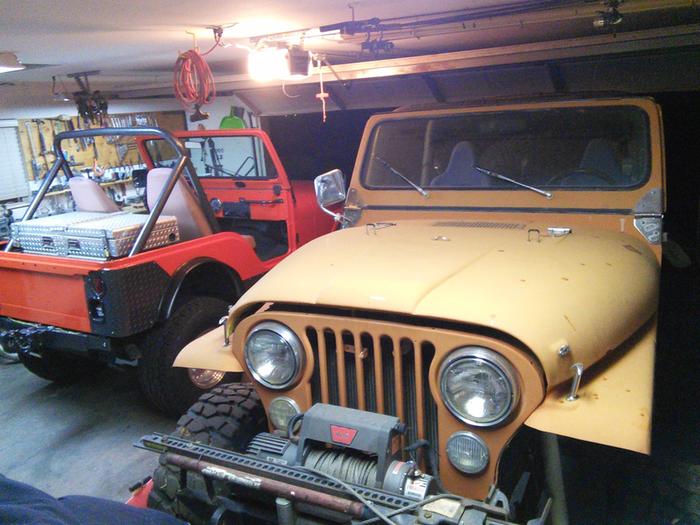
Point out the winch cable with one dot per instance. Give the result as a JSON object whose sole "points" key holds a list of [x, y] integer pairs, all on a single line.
{"points": [[356, 469], [411, 507], [360, 469]]}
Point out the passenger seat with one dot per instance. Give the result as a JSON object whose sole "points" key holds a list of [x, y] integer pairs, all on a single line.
{"points": [[460, 171], [88, 196], [182, 204]]}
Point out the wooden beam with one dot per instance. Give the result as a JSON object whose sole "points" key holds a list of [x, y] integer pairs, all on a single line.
{"points": [[556, 50], [434, 88], [335, 97]]}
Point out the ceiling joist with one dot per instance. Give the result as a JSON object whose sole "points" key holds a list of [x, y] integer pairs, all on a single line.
{"points": [[608, 44]]}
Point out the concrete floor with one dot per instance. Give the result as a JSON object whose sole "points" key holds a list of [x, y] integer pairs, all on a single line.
{"points": [[76, 439]]}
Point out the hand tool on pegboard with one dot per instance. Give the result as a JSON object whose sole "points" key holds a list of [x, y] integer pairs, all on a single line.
{"points": [[56, 127], [111, 122], [71, 127], [122, 150], [95, 152], [36, 169], [44, 152]]}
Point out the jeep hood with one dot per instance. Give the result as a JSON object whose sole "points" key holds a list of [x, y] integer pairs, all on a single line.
{"points": [[590, 289]]}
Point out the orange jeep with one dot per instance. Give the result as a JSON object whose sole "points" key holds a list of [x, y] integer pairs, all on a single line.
{"points": [[105, 285]]}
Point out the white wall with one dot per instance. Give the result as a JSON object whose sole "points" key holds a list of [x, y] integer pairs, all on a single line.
{"points": [[36, 101], [217, 110]]}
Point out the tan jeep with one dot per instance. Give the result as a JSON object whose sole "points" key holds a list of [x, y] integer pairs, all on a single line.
{"points": [[497, 267]]}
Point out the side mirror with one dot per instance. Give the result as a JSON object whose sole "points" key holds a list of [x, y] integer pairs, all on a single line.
{"points": [[330, 189]]}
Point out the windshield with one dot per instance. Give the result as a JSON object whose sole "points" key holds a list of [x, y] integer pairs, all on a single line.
{"points": [[236, 157], [602, 147]]}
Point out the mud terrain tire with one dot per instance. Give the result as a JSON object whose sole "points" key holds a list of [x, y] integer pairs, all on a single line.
{"points": [[228, 416]]}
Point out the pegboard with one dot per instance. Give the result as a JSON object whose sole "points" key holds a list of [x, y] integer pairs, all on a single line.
{"points": [[37, 135]]}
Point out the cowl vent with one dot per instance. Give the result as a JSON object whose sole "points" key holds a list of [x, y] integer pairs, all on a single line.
{"points": [[480, 224]]}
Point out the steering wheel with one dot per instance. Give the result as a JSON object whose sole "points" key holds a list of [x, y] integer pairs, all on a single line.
{"points": [[591, 172]]}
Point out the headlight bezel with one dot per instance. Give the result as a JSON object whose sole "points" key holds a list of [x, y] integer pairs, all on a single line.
{"points": [[292, 340], [492, 359]]}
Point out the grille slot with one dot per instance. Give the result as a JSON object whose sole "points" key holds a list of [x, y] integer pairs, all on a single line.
{"points": [[376, 372]]}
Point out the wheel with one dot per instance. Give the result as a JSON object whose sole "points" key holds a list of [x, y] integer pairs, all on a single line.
{"points": [[227, 417], [172, 390], [57, 367]]}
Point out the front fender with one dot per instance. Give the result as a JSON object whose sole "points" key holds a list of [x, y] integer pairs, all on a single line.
{"points": [[209, 351], [615, 399]]}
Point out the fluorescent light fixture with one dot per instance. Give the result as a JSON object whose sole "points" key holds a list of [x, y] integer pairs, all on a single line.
{"points": [[268, 63], [9, 62], [278, 63]]}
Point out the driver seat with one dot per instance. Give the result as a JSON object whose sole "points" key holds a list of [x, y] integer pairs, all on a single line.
{"points": [[460, 171], [182, 203]]}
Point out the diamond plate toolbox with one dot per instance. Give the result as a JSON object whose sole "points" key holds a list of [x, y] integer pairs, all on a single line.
{"points": [[45, 235], [101, 236]]}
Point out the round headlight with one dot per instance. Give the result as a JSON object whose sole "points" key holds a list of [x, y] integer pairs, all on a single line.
{"points": [[273, 354], [478, 386], [467, 452], [281, 411]]}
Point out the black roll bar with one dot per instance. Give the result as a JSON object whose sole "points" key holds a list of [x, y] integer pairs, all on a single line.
{"points": [[183, 163]]}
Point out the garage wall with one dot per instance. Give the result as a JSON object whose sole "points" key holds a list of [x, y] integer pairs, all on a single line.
{"points": [[220, 108], [37, 103]]}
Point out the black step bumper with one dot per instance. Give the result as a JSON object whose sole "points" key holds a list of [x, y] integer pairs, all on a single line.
{"points": [[21, 336]]}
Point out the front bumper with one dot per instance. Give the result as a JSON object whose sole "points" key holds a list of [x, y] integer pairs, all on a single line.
{"points": [[309, 489], [21, 336]]}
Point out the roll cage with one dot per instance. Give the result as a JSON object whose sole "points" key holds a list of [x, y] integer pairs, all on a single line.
{"points": [[183, 165]]}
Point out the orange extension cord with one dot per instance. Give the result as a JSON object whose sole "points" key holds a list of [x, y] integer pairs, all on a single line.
{"points": [[192, 80]]}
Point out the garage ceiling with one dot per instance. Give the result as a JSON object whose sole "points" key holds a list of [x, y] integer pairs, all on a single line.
{"points": [[534, 45]]}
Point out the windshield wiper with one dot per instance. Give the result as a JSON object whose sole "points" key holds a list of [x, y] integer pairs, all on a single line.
{"points": [[498, 176], [399, 174]]}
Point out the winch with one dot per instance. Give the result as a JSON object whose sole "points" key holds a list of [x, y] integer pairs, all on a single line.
{"points": [[333, 465], [358, 447]]}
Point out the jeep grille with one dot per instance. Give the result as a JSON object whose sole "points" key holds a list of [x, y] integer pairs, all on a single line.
{"points": [[388, 375]]}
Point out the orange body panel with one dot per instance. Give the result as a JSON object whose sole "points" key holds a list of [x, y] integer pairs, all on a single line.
{"points": [[23, 295], [51, 290]]}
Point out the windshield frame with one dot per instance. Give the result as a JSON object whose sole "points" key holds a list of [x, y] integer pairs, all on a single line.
{"points": [[369, 151], [259, 149]]}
